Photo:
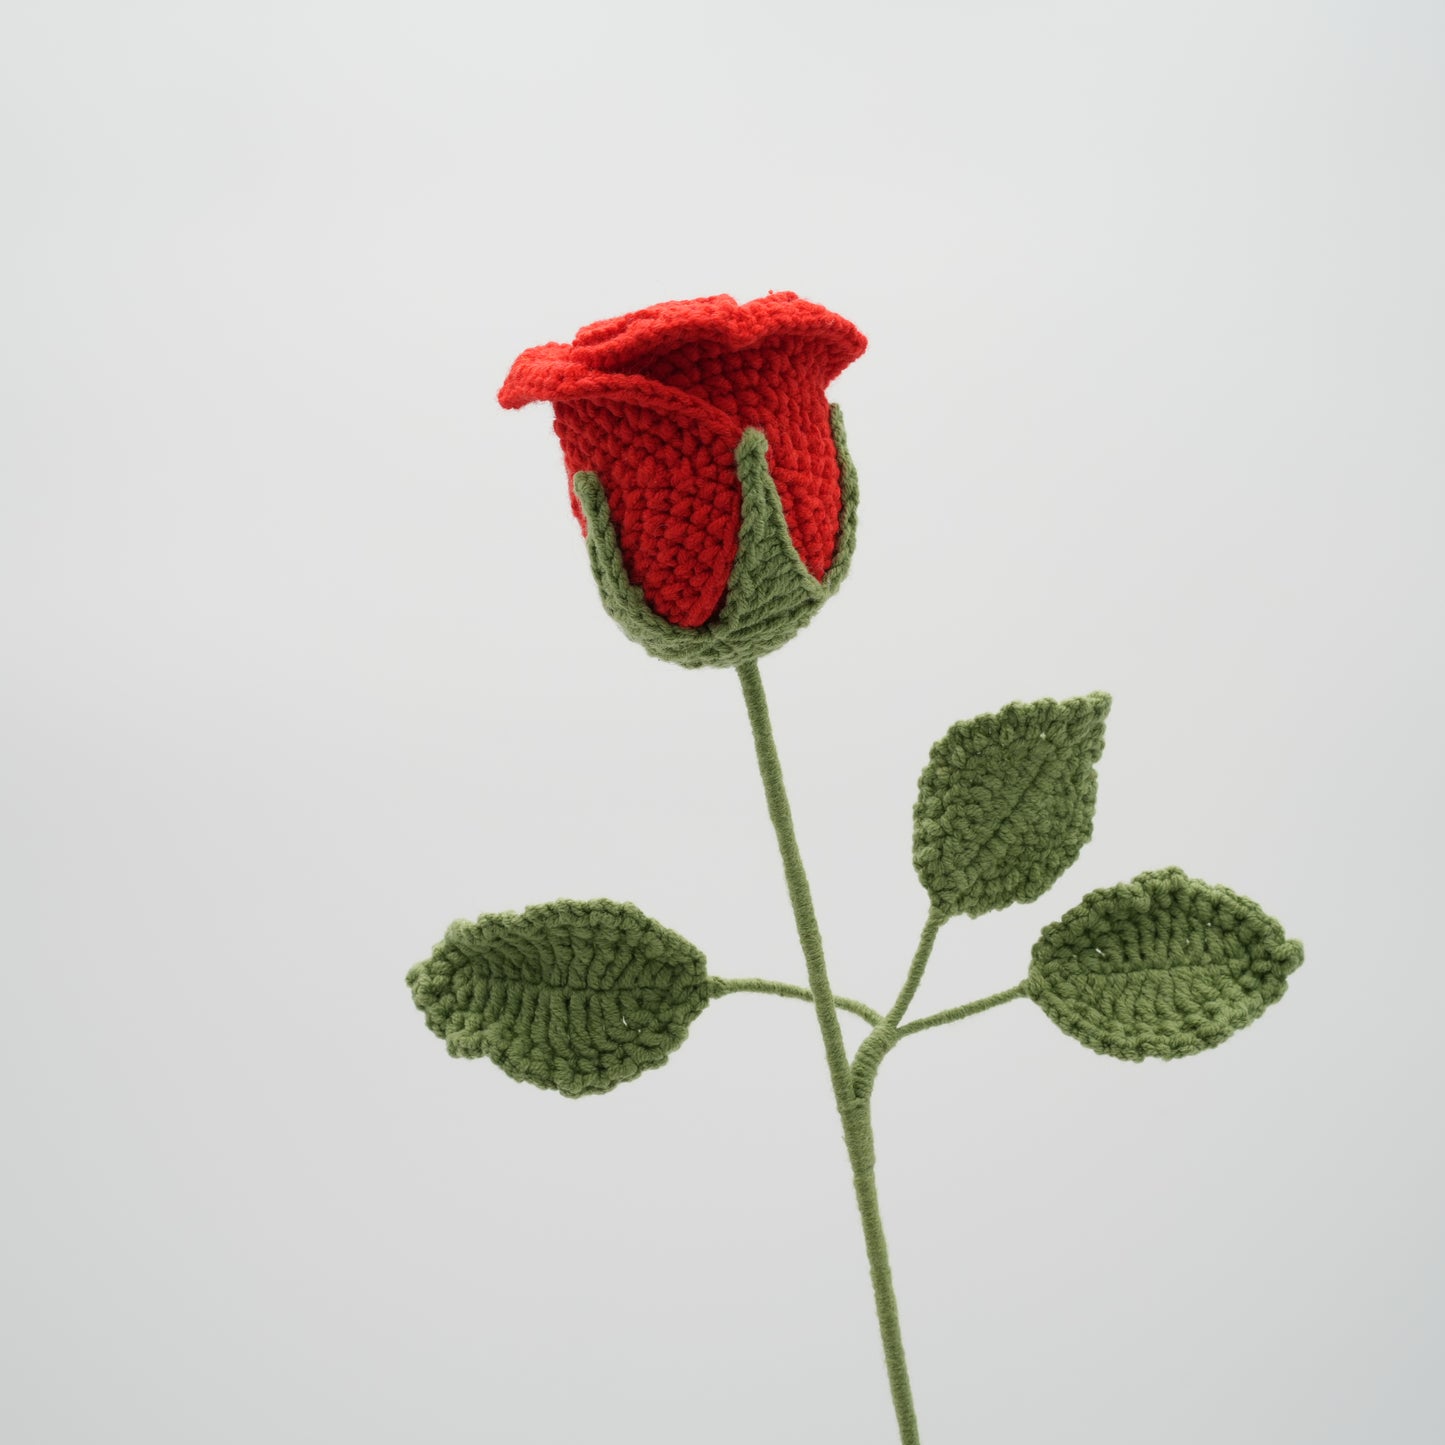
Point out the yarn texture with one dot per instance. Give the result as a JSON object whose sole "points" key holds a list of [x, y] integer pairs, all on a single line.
{"points": [[1160, 967], [771, 593], [577, 997], [653, 410], [713, 483], [1006, 803]]}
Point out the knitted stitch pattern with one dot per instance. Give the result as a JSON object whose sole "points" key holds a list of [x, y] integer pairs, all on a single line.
{"points": [[1160, 967], [771, 594], [1006, 803], [571, 996], [719, 506], [655, 404]]}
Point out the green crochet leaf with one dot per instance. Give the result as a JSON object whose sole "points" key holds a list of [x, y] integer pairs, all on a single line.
{"points": [[576, 997], [1160, 967], [1006, 803], [771, 594]]}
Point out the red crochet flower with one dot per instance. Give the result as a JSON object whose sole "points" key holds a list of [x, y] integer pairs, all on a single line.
{"points": [[655, 403]]}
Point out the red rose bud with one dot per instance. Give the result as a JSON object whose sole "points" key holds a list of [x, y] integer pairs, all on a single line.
{"points": [[709, 473]]}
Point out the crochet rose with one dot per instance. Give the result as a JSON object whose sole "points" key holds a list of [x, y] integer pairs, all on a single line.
{"points": [[709, 473]]}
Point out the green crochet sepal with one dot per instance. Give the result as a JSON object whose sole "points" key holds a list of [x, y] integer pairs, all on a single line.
{"points": [[1160, 967], [573, 996], [1006, 803], [771, 594]]}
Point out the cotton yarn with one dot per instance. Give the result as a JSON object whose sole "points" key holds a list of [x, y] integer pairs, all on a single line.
{"points": [[652, 410], [572, 996]]}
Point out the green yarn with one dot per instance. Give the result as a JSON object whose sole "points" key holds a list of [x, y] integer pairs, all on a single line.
{"points": [[720, 986], [889, 1030], [965, 1010], [886, 1032], [1160, 967], [577, 997], [771, 594], [580, 996], [1007, 802], [853, 1105], [848, 516]]}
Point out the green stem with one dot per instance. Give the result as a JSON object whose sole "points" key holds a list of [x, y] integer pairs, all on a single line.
{"points": [[799, 894], [855, 1112], [935, 920], [886, 1033], [965, 1010], [720, 986]]}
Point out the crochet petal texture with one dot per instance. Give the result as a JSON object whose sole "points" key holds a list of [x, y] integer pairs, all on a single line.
{"points": [[573, 996], [1160, 967], [653, 409], [771, 594]]}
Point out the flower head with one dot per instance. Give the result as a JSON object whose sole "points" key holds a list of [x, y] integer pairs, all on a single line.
{"points": [[709, 473]]}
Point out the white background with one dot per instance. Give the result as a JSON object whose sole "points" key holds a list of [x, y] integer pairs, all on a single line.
{"points": [[303, 660]]}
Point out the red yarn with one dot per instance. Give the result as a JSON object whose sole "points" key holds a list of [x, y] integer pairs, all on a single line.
{"points": [[655, 402]]}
